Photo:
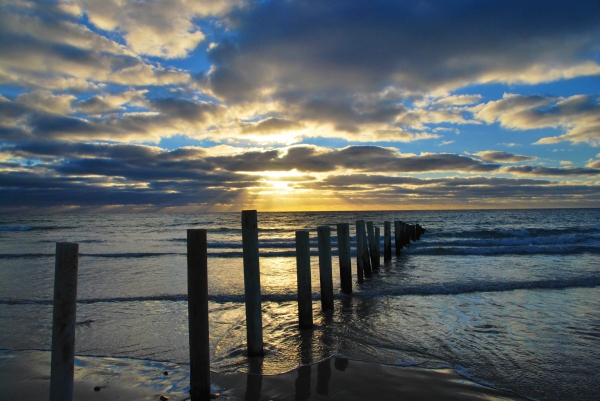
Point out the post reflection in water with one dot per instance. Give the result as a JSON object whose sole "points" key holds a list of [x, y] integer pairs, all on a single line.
{"points": [[323, 376], [254, 378]]}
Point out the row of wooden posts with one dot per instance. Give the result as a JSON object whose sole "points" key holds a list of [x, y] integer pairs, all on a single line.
{"points": [[368, 258]]}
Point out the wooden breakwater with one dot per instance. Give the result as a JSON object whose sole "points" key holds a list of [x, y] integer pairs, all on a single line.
{"points": [[368, 258]]}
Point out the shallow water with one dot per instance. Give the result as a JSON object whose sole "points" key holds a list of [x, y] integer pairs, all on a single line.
{"points": [[509, 298]]}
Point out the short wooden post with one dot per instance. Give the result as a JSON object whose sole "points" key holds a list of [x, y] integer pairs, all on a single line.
{"points": [[372, 246], [397, 237], [405, 234], [197, 273], [387, 241], [360, 245], [62, 365], [377, 246], [254, 332], [343, 235], [325, 275], [305, 317]]}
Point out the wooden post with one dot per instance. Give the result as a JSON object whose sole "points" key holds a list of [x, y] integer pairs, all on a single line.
{"points": [[360, 245], [405, 235], [366, 258], [197, 273], [62, 365], [397, 237], [387, 241], [343, 235], [377, 246], [254, 332], [372, 246], [325, 275], [305, 317]]}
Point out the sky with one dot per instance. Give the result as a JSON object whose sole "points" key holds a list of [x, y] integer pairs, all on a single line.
{"points": [[298, 105]]}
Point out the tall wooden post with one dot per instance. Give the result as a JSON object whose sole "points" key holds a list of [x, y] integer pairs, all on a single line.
{"points": [[366, 258], [405, 234], [387, 241], [254, 332], [397, 236], [377, 246], [197, 271], [372, 246], [343, 235], [305, 317], [360, 246], [325, 274], [62, 365]]}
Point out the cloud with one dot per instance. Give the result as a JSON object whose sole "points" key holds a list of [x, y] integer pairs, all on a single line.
{"points": [[291, 48], [43, 47], [103, 103], [552, 171], [95, 175], [578, 115], [165, 117], [502, 157], [163, 29], [47, 102]]}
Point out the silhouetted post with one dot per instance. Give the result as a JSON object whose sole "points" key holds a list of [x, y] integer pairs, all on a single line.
{"points": [[305, 317], [405, 234], [366, 258], [377, 246], [254, 332], [197, 270], [397, 236], [62, 365], [372, 246], [343, 235], [387, 241], [325, 275], [360, 245]]}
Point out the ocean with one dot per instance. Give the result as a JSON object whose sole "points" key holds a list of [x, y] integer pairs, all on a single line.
{"points": [[507, 298]]}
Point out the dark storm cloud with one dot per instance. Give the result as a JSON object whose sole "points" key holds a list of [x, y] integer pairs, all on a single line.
{"points": [[341, 46]]}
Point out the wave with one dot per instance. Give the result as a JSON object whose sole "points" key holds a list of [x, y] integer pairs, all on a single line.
{"points": [[507, 250], [510, 233], [16, 228], [490, 242], [408, 290]]}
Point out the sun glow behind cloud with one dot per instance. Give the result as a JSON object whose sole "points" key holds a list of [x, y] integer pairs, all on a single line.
{"points": [[283, 105]]}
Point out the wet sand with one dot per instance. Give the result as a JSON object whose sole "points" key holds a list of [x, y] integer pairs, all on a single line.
{"points": [[25, 375]]}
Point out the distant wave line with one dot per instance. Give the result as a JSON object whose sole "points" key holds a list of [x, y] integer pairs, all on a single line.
{"points": [[418, 290]]}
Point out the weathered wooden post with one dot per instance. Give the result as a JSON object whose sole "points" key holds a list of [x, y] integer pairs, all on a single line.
{"points": [[372, 246], [325, 274], [366, 258], [360, 245], [343, 235], [397, 237], [254, 332], [387, 241], [62, 365], [197, 274], [305, 317], [377, 246], [405, 234]]}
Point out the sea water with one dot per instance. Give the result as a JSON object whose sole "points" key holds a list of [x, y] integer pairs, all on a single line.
{"points": [[508, 298]]}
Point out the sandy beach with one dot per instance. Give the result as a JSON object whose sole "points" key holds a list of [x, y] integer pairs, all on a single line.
{"points": [[25, 375]]}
